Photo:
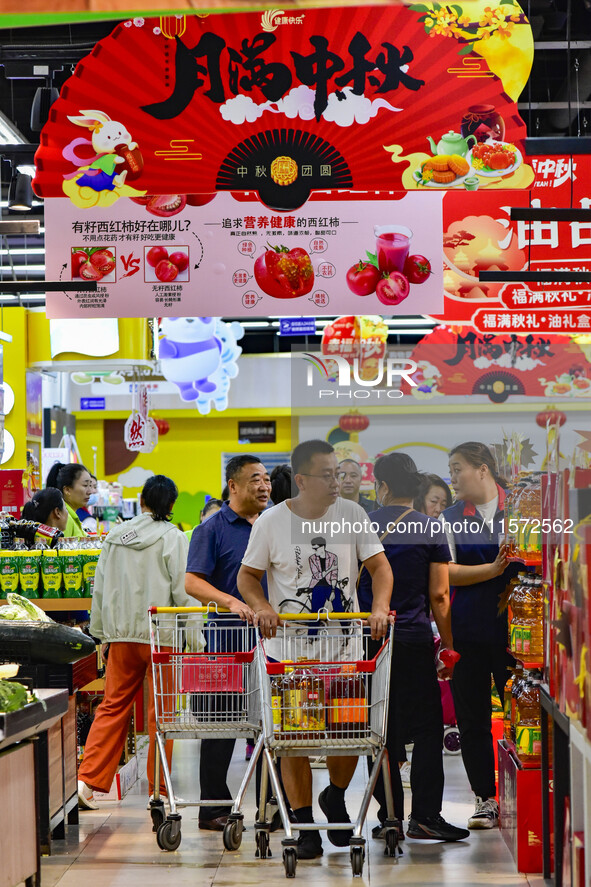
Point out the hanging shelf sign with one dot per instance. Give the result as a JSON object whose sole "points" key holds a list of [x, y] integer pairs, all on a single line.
{"points": [[355, 98]]}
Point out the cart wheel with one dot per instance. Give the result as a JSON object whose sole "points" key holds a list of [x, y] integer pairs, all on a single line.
{"points": [[357, 858], [158, 816], [263, 850], [169, 836], [391, 842], [290, 861], [233, 834], [451, 741]]}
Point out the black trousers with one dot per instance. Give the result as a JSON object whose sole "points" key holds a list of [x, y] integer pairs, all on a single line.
{"points": [[471, 686], [216, 755], [414, 714]]}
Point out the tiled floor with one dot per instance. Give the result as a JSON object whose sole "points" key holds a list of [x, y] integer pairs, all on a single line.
{"points": [[118, 849]]}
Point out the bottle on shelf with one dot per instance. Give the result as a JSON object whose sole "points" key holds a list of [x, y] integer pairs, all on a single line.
{"points": [[532, 630], [515, 628], [518, 681], [528, 738]]}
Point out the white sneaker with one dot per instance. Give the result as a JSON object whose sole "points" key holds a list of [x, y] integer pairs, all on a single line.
{"points": [[86, 797], [486, 814], [405, 774]]}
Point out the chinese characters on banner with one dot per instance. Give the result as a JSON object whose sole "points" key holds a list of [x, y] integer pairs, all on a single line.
{"points": [[479, 235], [234, 257], [364, 98], [499, 364]]}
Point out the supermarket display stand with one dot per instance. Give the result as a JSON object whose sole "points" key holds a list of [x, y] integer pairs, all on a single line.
{"points": [[57, 748]]}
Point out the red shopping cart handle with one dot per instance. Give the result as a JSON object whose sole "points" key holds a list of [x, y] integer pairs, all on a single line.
{"points": [[234, 658]]}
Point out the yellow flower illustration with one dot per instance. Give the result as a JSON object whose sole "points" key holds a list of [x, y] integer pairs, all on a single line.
{"points": [[445, 17], [464, 20], [504, 30], [443, 29], [483, 34], [429, 22]]}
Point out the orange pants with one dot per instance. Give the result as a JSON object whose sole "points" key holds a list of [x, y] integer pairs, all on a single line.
{"points": [[127, 665]]}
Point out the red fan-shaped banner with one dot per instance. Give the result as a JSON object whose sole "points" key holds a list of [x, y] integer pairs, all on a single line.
{"points": [[284, 105], [452, 362]]}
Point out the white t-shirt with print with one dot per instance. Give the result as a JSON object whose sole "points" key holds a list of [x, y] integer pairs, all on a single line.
{"points": [[311, 564]]}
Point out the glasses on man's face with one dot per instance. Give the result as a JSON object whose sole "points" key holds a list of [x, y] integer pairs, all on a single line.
{"points": [[326, 478]]}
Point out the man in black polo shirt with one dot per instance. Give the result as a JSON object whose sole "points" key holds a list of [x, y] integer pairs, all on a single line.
{"points": [[215, 554]]}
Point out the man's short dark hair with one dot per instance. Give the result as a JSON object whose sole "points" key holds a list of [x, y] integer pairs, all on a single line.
{"points": [[305, 452], [237, 463], [318, 540]]}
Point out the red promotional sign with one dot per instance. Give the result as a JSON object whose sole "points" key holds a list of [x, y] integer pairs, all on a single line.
{"points": [[499, 364], [479, 235], [536, 321], [361, 98]]}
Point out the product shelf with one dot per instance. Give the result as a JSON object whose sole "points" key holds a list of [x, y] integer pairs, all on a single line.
{"points": [[60, 603], [522, 765], [526, 561], [531, 664]]}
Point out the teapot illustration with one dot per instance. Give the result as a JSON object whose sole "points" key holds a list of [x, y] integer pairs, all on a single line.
{"points": [[451, 143]]}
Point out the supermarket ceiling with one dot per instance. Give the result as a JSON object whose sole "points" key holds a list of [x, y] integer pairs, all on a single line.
{"points": [[42, 48]]}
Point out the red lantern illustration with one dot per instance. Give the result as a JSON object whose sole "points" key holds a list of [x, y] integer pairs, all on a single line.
{"points": [[352, 423], [550, 416]]}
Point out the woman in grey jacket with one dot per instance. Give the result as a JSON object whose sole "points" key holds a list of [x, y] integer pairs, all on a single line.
{"points": [[142, 564]]}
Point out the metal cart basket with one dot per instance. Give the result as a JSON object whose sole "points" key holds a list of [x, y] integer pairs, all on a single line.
{"points": [[205, 687], [325, 695]]}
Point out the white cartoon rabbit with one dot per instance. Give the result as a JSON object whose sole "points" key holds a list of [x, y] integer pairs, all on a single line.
{"points": [[99, 172]]}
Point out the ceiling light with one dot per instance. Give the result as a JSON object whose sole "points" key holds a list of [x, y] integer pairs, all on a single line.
{"points": [[20, 193], [9, 133], [42, 102]]}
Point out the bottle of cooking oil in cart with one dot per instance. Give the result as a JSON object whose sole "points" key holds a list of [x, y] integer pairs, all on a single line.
{"points": [[347, 704]]}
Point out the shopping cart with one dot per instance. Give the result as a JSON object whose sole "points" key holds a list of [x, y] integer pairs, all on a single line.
{"points": [[204, 688], [325, 696]]}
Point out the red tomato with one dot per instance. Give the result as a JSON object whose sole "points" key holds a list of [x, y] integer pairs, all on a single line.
{"points": [[89, 272], [393, 289], [362, 278], [156, 254], [166, 271], [104, 260], [180, 259], [78, 259], [417, 269], [284, 273]]}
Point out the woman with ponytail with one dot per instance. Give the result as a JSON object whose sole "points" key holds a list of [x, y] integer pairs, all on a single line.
{"points": [[142, 564], [478, 576]]}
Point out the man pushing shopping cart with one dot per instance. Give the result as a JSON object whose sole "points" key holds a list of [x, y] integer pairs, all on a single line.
{"points": [[287, 545]]}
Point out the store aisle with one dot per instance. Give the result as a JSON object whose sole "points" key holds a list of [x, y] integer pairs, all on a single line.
{"points": [[118, 849]]}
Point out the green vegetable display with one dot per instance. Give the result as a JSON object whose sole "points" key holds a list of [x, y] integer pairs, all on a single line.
{"points": [[21, 609], [13, 696]]}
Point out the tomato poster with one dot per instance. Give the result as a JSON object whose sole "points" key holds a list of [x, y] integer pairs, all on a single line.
{"points": [[403, 98], [479, 235], [233, 257]]}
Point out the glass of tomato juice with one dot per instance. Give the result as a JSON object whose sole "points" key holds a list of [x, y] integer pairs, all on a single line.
{"points": [[392, 246]]}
